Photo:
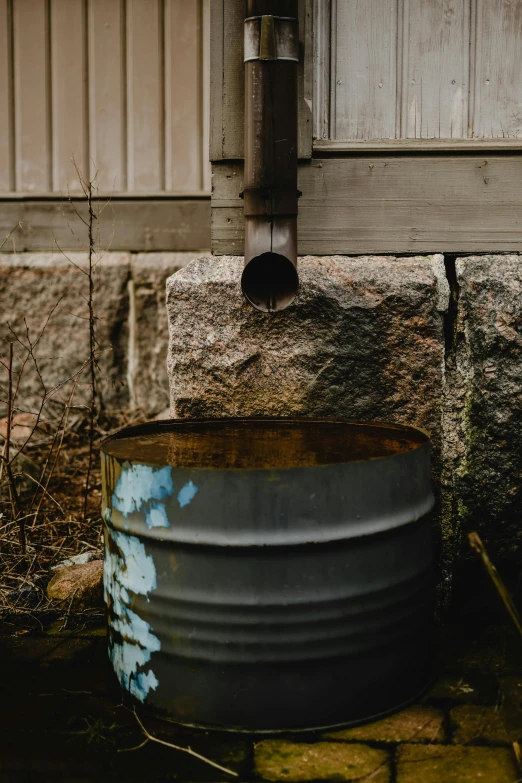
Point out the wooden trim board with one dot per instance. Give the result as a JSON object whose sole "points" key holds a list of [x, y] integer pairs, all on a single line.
{"points": [[392, 204], [133, 224], [407, 146]]}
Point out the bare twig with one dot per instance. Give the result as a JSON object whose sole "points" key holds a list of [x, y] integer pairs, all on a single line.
{"points": [[150, 738], [87, 187], [30, 354], [8, 237], [518, 755], [44, 490], [65, 619], [62, 427], [9, 403], [2, 467], [13, 492], [15, 503]]}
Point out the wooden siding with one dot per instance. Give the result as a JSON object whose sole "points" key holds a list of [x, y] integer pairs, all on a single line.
{"points": [[417, 128], [120, 85], [363, 72], [162, 223], [227, 79], [419, 69], [394, 204]]}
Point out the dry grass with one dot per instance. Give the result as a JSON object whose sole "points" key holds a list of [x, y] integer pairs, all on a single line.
{"points": [[50, 492], [59, 529]]}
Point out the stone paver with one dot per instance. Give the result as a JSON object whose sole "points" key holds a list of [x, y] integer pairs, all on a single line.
{"points": [[473, 723], [511, 699], [455, 764], [496, 652], [58, 690], [280, 760], [414, 724]]}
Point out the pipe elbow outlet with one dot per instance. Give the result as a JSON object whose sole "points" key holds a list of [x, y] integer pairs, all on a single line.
{"points": [[270, 282]]}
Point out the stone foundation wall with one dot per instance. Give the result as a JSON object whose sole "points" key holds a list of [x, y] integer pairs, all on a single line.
{"points": [[413, 340], [422, 340], [131, 326]]}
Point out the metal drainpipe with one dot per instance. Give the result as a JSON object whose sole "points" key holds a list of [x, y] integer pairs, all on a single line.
{"points": [[270, 281]]}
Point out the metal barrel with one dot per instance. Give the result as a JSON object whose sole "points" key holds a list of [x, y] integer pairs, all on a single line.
{"points": [[269, 574]]}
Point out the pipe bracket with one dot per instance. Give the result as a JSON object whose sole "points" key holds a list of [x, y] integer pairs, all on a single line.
{"points": [[271, 38], [265, 202]]}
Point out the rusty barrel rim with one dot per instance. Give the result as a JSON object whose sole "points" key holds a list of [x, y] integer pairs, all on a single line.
{"points": [[416, 435], [300, 494]]}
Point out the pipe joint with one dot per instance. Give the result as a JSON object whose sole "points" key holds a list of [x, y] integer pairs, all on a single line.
{"points": [[270, 201], [270, 37]]}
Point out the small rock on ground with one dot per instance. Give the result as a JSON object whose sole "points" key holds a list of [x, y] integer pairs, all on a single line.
{"points": [[455, 764], [280, 760], [414, 724], [81, 559], [80, 584]]}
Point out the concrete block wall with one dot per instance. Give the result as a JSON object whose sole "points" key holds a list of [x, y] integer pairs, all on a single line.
{"points": [[427, 341]]}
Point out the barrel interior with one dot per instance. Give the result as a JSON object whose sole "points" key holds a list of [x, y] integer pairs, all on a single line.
{"points": [[251, 444]]}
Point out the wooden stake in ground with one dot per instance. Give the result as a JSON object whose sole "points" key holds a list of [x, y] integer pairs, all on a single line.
{"points": [[478, 547]]}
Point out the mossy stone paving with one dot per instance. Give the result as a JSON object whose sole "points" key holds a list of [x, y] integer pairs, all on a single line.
{"points": [[455, 764], [281, 760], [418, 723]]}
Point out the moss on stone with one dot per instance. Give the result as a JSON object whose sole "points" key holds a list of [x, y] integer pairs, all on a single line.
{"points": [[455, 764], [414, 724], [473, 723], [281, 760]]}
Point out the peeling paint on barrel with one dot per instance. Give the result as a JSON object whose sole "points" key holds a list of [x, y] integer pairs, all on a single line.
{"points": [[142, 486], [129, 571], [187, 494]]}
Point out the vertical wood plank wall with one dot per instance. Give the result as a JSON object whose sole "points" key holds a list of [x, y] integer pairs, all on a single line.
{"points": [[422, 69], [69, 109], [121, 86], [32, 109], [364, 76], [6, 100], [498, 69]]}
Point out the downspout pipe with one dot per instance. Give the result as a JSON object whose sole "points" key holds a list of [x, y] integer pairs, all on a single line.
{"points": [[270, 281]]}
